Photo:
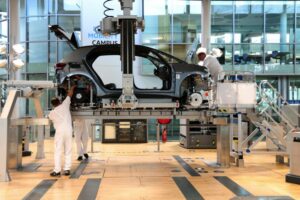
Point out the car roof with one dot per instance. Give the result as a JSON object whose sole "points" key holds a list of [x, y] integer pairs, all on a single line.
{"points": [[92, 52], [111, 49]]}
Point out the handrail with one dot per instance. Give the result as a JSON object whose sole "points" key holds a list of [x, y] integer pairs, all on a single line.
{"points": [[278, 95], [266, 107], [279, 112]]}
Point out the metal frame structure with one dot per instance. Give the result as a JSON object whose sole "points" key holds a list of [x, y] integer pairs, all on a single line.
{"points": [[5, 124], [127, 26], [27, 89]]}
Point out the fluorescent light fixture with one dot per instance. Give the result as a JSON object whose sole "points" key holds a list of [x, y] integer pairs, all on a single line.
{"points": [[18, 48], [3, 63], [18, 63], [3, 49]]}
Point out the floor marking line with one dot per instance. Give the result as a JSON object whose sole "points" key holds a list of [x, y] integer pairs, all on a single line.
{"points": [[90, 189], [233, 186], [186, 166], [78, 172], [187, 189], [39, 191]]}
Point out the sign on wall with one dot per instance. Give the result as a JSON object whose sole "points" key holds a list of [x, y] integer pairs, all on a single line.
{"points": [[92, 12]]}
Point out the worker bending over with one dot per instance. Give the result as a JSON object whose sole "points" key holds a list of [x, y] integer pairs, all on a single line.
{"points": [[81, 138], [211, 63], [62, 122]]}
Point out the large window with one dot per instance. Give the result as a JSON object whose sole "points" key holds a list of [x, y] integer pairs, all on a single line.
{"points": [[172, 25], [259, 36], [222, 29], [43, 49], [279, 35], [262, 35], [248, 36]]}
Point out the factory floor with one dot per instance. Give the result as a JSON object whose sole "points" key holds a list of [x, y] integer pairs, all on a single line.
{"points": [[138, 171]]}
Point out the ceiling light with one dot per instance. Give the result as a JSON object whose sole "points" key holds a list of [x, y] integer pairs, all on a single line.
{"points": [[3, 49], [18, 48], [18, 63], [3, 63]]}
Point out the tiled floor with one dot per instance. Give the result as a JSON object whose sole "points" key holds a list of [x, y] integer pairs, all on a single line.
{"points": [[138, 171]]}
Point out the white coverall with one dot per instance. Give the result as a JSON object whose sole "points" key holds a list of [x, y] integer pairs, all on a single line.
{"points": [[81, 136], [61, 118], [213, 66]]}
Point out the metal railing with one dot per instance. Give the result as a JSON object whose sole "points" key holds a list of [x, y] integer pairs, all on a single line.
{"points": [[267, 110]]}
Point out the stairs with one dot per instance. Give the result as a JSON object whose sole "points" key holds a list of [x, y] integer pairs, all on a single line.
{"points": [[270, 120]]}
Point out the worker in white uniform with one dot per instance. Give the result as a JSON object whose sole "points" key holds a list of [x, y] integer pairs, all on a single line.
{"points": [[62, 122], [81, 138], [211, 63]]}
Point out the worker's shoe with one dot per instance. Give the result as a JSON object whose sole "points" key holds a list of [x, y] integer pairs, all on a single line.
{"points": [[67, 172], [79, 158], [55, 174], [86, 155]]}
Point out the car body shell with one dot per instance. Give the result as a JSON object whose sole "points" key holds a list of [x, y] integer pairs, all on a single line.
{"points": [[177, 76]]}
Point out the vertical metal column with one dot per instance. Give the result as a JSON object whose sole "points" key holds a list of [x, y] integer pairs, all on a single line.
{"points": [[157, 137], [93, 137], [206, 24], [4, 124], [40, 154], [14, 35], [231, 132], [26, 139], [127, 45], [223, 147], [240, 159]]}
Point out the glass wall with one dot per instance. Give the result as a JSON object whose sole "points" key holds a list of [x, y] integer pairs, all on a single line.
{"points": [[259, 36], [43, 49], [172, 25], [222, 29], [248, 38], [263, 35], [279, 36]]}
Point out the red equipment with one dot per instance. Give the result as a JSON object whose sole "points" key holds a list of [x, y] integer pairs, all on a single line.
{"points": [[164, 137], [163, 121]]}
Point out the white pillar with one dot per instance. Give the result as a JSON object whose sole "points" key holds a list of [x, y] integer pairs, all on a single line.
{"points": [[240, 158], [284, 87], [283, 29], [14, 36], [206, 24]]}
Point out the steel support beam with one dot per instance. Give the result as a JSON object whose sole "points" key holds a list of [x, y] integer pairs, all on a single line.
{"points": [[127, 45], [4, 131], [40, 154]]}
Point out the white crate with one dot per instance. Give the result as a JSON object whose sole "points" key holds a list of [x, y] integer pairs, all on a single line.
{"points": [[236, 95]]}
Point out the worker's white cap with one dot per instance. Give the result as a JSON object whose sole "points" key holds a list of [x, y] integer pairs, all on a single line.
{"points": [[201, 50], [216, 52]]}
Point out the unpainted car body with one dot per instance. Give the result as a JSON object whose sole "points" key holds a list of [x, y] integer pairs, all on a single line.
{"points": [[177, 79]]}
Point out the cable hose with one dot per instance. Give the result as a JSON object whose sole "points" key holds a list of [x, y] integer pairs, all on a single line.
{"points": [[107, 9]]}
